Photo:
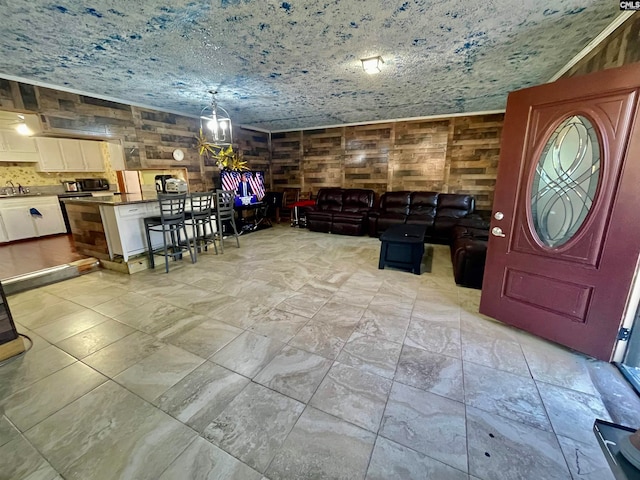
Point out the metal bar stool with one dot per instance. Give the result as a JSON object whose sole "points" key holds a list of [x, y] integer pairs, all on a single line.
{"points": [[171, 223], [200, 216], [225, 213]]}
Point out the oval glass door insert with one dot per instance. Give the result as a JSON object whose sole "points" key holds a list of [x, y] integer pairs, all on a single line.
{"points": [[565, 181]]}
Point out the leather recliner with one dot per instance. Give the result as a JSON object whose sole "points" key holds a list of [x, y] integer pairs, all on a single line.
{"points": [[469, 252], [341, 210]]}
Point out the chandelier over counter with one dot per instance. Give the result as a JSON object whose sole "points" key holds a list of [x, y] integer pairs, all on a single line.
{"points": [[215, 123]]}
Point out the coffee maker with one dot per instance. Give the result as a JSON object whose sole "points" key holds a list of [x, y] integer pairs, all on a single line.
{"points": [[161, 183]]}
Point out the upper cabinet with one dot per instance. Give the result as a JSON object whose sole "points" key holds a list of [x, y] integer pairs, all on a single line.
{"points": [[92, 156], [17, 148], [116, 156], [69, 155]]}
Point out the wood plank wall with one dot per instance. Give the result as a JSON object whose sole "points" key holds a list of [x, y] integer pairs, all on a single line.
{"points": [[148, 136], [286, 160], [473, 152], [458, 154], [622, 47]]}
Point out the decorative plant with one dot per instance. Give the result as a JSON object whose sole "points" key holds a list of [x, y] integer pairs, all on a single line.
{"points": [[226, 158]]}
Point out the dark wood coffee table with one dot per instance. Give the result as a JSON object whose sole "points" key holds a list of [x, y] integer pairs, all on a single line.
{"points": [[402, 247]]}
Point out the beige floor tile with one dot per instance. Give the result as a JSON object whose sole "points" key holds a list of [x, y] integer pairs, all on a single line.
{"points": [[205, 338], [353, 395], [204, 460], [322, 446], [120, 355], [248, 353], [198, 398], [392, 460], [93, 339], [431, 372], [294, 373], [28, 407], [110, 430], [428, 423], [158, 372], [254, 425], [505, 394], [492, 441]]}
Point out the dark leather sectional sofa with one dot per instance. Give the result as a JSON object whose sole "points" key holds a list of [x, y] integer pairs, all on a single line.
{"points": [[341, 210], [447, 218], [438, 212]]}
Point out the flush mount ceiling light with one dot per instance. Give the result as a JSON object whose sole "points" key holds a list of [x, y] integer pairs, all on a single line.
{"points": [[372, 65], [215, 123], [16, 121], [21, 127]]}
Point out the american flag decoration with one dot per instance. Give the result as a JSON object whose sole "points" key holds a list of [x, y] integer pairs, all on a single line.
{"points": [[257, 184]]}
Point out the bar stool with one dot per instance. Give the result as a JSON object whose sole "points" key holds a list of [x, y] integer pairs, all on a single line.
{"points": [[200, 216], [225, 213], [171, 223]]}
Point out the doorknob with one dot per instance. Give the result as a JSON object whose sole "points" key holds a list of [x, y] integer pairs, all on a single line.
{"points": [[498, 215], [497, 232]]}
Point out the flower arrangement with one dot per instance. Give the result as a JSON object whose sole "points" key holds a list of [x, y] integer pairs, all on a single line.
{"points": [[226, 158]]}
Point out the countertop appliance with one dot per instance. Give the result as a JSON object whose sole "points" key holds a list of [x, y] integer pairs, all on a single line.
{"points": [[161, 183], [70, 186], [93, 184], [175, 185]]}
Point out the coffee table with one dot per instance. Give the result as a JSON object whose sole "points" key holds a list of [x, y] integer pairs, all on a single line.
{"points": [[402, 247]]}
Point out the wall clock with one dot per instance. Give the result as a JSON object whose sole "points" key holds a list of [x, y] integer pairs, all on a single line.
{"points": [[178, 155]]}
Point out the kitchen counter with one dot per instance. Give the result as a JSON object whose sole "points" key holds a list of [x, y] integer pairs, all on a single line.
{"points": [[25, 195], [114, 200]]}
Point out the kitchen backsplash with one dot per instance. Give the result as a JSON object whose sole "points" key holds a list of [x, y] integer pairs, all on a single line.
{"points": [[26, 174]]}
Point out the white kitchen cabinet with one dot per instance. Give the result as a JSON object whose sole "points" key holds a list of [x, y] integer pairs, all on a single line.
{"points": [[92, 155], [124, 228], [51, 221], [70, 155], [20, 223], [3, 232], [17, 148], [116, 156], [50, 155]]}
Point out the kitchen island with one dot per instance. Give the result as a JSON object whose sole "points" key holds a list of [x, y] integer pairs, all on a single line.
{"points": [[111, 227]]}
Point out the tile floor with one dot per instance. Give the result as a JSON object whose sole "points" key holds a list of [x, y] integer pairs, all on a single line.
{"points": [[292, 357]]}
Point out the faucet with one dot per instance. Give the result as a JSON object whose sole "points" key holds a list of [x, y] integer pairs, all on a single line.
{"points": [[13, 187]]}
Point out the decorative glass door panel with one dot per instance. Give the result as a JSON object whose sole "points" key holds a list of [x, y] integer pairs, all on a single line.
{"points": [[565, 181]]}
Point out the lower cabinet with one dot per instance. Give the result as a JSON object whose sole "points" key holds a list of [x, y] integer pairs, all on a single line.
{"points": [[124, 227], [28, 217]]}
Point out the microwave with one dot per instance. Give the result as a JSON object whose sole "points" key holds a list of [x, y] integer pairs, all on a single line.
{"points": [[92, 184]]}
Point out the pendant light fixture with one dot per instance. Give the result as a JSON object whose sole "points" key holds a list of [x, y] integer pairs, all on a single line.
{"points": [[215, 123]]}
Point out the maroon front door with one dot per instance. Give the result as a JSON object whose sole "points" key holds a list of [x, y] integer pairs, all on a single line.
{"points": [[565, 231]]}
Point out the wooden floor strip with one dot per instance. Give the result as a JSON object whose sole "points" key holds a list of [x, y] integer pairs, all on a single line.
{"points": [[26, 256]]}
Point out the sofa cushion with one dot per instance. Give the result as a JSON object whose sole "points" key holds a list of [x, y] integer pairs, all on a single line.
{"points": [[422, 208], [394, 203], [354, 200], [390, 219], [454, 205], [329, 200]]}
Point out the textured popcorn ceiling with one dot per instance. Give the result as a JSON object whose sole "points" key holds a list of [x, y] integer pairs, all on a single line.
{"points": [[296, 64]]}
